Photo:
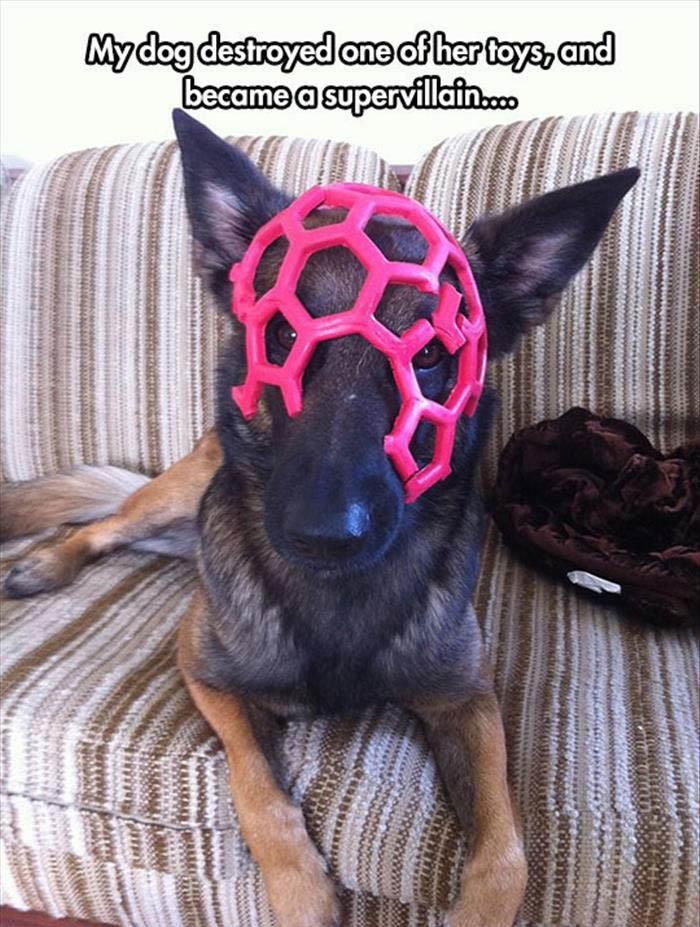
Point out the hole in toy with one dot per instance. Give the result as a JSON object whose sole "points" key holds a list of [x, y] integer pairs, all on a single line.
{"points": [[279, 339], [430, 356], [330, 281], [269, 265], [397, 239], [422, 444], [324, 216], [402, 305]]}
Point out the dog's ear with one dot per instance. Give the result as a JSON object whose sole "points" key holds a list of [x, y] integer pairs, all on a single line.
{"points": [[228, 198], [524, 257]]}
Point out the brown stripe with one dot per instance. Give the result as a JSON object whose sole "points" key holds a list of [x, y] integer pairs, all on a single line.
{"points": [[67, 635], [152, 233]]}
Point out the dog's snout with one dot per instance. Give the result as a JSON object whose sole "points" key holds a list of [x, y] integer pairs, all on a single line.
{"points": [[334, 502], [327, 536]]}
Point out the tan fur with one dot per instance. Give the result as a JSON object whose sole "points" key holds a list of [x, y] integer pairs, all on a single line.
{"points": [[83, 494], [300, 892], [494, 877], [166, 502]]}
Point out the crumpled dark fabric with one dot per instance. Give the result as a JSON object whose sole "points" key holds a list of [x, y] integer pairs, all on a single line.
{"points": [[582, 492]]}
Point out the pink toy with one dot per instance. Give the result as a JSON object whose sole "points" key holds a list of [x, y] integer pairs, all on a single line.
{"points": [[457, 332]]}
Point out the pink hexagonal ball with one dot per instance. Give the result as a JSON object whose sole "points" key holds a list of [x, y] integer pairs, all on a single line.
{"points": [[462, 332]]}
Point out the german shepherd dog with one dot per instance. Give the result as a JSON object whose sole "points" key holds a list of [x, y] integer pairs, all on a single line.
{"points": [[321, 590]]}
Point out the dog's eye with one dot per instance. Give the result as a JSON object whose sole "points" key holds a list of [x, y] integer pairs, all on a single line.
{"points": [[285, 336], [429, 356]]}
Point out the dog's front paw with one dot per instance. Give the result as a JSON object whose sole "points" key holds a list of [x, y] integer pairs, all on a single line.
{"points": [[301, 893], [41, 572], [491, 891]]}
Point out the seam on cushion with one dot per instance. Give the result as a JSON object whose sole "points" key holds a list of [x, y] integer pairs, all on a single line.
{"points": [[354, 772], [158, 826], [554, 814], [121, 816]]}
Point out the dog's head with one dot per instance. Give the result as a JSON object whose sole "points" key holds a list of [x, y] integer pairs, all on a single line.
{"points": [[332, 501]]}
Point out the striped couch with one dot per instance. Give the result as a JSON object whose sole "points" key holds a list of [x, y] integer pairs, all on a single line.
{"points": [[114, 799]]}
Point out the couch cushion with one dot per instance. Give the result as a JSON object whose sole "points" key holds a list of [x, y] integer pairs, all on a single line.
{"points": [[114, 788], [105, 758], [625, 341], [602, 720], [109, 344]]}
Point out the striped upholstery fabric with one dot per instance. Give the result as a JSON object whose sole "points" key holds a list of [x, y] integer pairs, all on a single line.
{"points": [[115, 797], [602, 721], [108, 339], [602, 717], [115, 804], [625, 340]]}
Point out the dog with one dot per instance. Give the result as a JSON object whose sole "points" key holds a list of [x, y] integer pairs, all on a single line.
{"points": [[321, 590]]}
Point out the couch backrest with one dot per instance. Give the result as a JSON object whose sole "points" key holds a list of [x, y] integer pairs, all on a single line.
{"points": [[626, 339], [109, 343]]}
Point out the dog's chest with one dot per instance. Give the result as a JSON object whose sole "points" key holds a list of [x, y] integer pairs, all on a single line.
{"points": [[341, 667], [303, 664], [339, 660]]}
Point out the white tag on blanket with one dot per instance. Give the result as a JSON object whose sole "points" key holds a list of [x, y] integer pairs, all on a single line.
{"points": [[594, 583]]}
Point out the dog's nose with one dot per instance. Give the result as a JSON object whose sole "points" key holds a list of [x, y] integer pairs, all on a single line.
{"points": [[320, 535]]}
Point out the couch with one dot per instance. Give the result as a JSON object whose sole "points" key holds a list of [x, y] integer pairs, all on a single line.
{"points": [[115, 805]]}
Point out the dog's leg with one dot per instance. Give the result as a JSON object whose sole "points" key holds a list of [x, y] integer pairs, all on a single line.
{"points": [[171, 499], [294, 872], [468, 742]]}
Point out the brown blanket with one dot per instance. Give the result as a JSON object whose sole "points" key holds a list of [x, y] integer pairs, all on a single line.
{"points": [[585, 493]]}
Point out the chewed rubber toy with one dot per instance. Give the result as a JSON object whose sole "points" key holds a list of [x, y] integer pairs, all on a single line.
{"points": [[457, 321]]}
